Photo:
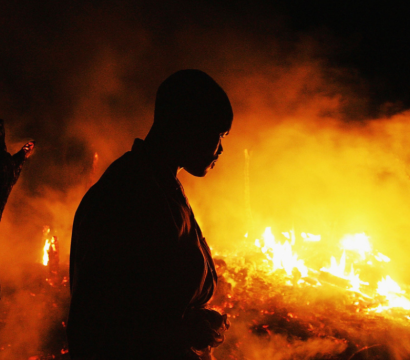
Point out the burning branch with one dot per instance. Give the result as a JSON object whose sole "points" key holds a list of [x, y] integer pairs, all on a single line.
{"points": [[10, 166]]}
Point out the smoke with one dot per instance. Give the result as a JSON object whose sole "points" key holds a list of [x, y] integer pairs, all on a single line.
{"points": [[278, 347], [312, 170], [81, 80]]}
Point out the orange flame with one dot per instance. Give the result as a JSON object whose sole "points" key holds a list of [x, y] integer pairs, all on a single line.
{"points": [[282, 256], [45, 252]]}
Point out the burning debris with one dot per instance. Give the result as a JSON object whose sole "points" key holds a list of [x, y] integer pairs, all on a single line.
{"points": [[11, 166], [283, 307], [357, 258], [282, 301]]}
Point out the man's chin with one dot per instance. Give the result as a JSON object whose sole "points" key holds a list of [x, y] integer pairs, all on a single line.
{"points": [[199, 172]]}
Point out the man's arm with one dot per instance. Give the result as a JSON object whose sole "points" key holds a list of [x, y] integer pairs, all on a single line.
{"points": [[10, 166]]}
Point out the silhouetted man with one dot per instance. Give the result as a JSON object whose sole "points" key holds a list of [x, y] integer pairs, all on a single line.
{"points": [[140, 270]]}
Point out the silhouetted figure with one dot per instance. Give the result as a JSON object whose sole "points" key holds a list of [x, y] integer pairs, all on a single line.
{"points": [[10, 166], [141, 272]]}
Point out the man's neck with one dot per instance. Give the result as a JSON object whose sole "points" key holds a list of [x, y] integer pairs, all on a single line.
{"points": [[163, 149]]}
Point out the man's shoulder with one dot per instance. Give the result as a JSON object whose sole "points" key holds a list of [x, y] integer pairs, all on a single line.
{"points": [[130, 178], [129, 172]]}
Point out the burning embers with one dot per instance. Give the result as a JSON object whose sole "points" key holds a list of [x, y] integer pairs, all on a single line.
{"points": [[295, 296], [357, 257]]}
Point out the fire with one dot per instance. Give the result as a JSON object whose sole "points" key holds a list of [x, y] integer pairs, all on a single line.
{"points": [[357, 250], [46, 248], [357, 242], [51, 257], [393, 293], [50, 245], [45, 252], [310, 237], [281, 255], [339, 270]]}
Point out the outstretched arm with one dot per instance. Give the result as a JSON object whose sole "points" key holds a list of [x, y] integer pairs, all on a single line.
{"points": [[10, 166]]}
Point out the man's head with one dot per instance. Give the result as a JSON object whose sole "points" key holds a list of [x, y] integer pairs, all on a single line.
{"points": [[192, 110]]}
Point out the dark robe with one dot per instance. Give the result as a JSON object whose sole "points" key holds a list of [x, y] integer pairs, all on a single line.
{"points": [[138, 263]]}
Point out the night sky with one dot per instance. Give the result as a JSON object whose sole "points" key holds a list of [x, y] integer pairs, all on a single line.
{"points": [[47, 49]]}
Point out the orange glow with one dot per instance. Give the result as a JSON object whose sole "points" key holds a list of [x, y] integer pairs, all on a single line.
{"points": [[47, 244], [280, 255], [45, 252], [357, 242], [394, 295]]}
